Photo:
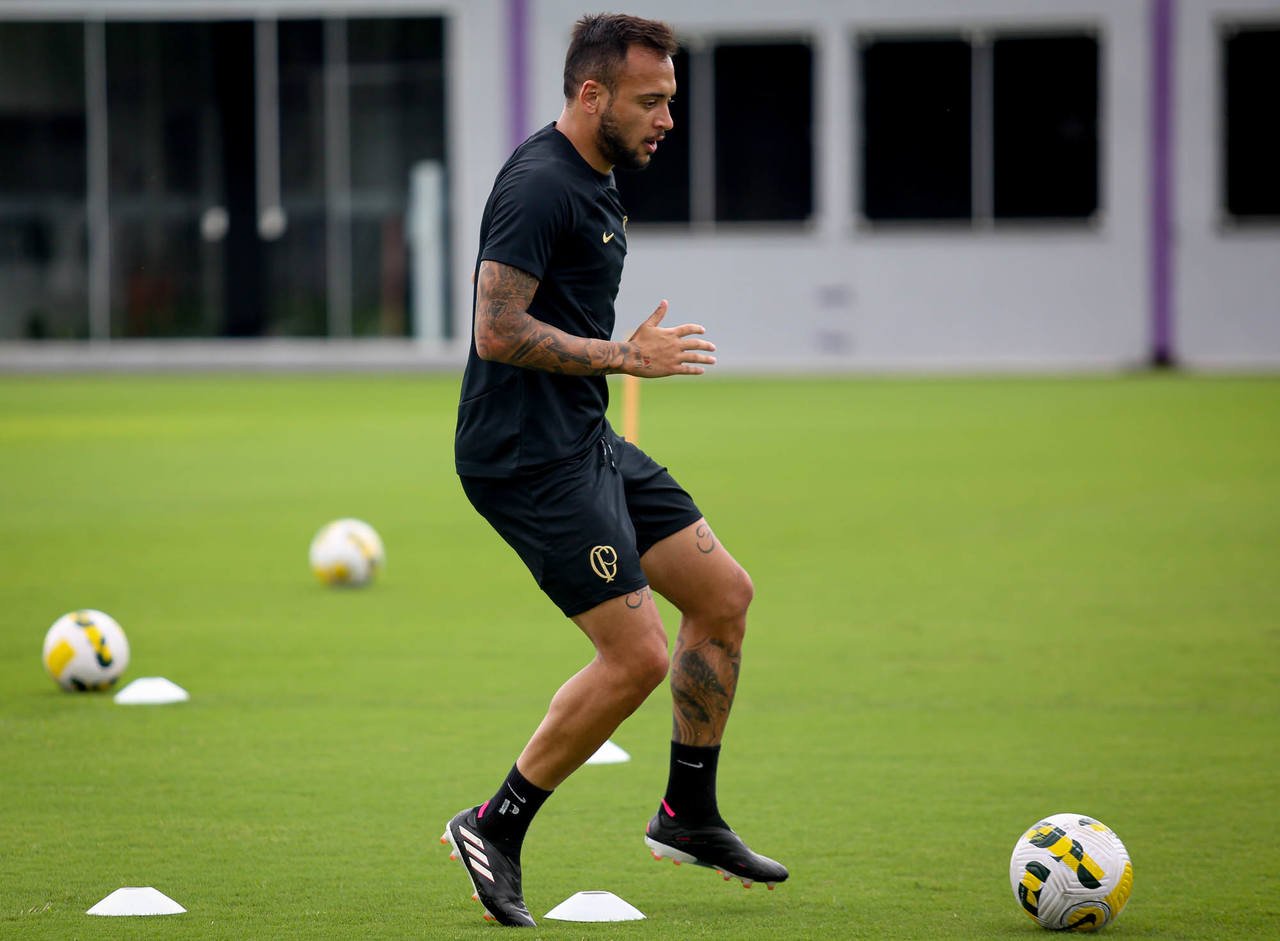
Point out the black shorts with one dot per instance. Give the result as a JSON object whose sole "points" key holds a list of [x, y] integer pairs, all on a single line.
{"points": [[581, 526]]}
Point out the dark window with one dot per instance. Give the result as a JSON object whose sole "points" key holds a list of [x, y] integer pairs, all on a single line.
{"points": [[999, 129], [43, 130], [42, 121], [300, 45], [379, 41], [1045, 124], [916, 123], [396, 69], [1251, 58], [764, 132], [660, 192]]}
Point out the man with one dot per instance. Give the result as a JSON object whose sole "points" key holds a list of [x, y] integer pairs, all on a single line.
{"points": [[599, 524]]}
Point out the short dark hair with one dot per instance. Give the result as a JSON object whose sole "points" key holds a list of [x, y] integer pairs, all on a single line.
{"points": [[599, 46]]}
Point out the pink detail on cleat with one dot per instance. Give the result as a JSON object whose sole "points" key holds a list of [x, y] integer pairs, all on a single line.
{"points": [[483, 808], [667, 807], [676, 861], [656, 855], [453, 856]]}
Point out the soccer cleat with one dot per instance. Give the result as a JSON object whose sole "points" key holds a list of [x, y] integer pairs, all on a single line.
{"points": [[495, 879], [714, 847]]}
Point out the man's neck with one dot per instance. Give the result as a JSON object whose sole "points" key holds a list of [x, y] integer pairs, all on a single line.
{"points": [[583, 138]]}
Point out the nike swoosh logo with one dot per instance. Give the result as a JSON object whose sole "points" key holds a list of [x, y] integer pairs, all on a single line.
{"points": [[607, 237], [517, 796], [688, 764]]}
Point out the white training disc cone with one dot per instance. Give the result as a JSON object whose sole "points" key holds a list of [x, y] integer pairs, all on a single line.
{"points": [[151, 691], [608, 754], [136, 900], [595, 906]]}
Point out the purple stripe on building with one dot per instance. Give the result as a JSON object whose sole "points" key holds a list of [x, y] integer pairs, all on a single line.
{"points": [[1162, 339], [517, 72]]}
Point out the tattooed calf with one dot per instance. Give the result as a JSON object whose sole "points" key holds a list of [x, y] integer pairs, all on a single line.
{"points": [[704, 678]]}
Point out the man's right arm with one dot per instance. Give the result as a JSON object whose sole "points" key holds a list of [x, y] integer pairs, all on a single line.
{"points": [[506, 332]]}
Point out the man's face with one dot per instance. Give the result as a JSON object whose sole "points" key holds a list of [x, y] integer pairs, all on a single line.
{"points": [[638, 112]]}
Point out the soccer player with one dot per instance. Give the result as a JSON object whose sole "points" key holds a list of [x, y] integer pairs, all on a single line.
{"points": [[599, 524]]}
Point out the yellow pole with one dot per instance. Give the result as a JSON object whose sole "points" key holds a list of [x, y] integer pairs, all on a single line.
{"points": [[631, 408]]}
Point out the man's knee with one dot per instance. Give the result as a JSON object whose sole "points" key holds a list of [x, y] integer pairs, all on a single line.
{"points": [[722, 612], [654, 669], [740, 594], [646, 666], [728, 603]]}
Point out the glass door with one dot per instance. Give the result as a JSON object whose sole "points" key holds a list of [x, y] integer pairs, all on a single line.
{"points": [[185, 254]]}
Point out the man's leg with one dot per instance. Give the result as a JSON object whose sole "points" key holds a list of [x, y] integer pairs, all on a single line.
{"points": [[630, 662], [712, 591]]}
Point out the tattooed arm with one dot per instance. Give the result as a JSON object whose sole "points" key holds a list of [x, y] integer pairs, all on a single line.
{"points": [[507, 333]]}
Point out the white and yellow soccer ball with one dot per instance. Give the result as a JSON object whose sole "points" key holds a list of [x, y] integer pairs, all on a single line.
{"points": [[1070, 872], [347, 552], [85, 650]]}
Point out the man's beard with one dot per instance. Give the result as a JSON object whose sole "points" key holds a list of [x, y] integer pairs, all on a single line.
{"points": [[614, 147]]}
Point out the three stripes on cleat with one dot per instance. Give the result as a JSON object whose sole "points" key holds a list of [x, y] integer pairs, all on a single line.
{"points": [[477, 861]]}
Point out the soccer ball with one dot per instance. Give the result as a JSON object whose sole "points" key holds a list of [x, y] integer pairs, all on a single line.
{"points": [[85, 650], [346, 552], [1070, 872]]}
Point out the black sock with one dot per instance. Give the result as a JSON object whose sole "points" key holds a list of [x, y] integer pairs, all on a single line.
{"points": [[504, 818], [691, 785]]}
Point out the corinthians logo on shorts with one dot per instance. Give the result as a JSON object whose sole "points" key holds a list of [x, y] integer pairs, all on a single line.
{"points": [[604, 562]]}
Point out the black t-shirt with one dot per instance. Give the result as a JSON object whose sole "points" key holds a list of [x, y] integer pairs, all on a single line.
{"points": [[553, 216]]}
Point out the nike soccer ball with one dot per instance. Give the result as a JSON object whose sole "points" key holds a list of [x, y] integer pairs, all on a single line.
{"points": [[85, 650], [346, 552], [1070, 872]]}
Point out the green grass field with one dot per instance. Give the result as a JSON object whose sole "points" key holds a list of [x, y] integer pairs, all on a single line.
{"points": [[978, 602]]}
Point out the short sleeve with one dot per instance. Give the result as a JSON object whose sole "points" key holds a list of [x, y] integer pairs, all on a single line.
{"points": [[530, 210]]}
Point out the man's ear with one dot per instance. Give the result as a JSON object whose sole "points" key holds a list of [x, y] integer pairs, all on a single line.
{"points": [[592, 96]]}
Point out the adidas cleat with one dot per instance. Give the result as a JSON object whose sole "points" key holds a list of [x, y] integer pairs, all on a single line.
{"points": [[717, 848], [495, 880]]}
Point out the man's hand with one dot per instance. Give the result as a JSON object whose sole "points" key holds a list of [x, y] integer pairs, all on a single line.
{"points": [[655, 351]]}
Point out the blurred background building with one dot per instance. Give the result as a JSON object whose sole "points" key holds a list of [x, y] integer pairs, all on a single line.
{"points": [[852, 184]]}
